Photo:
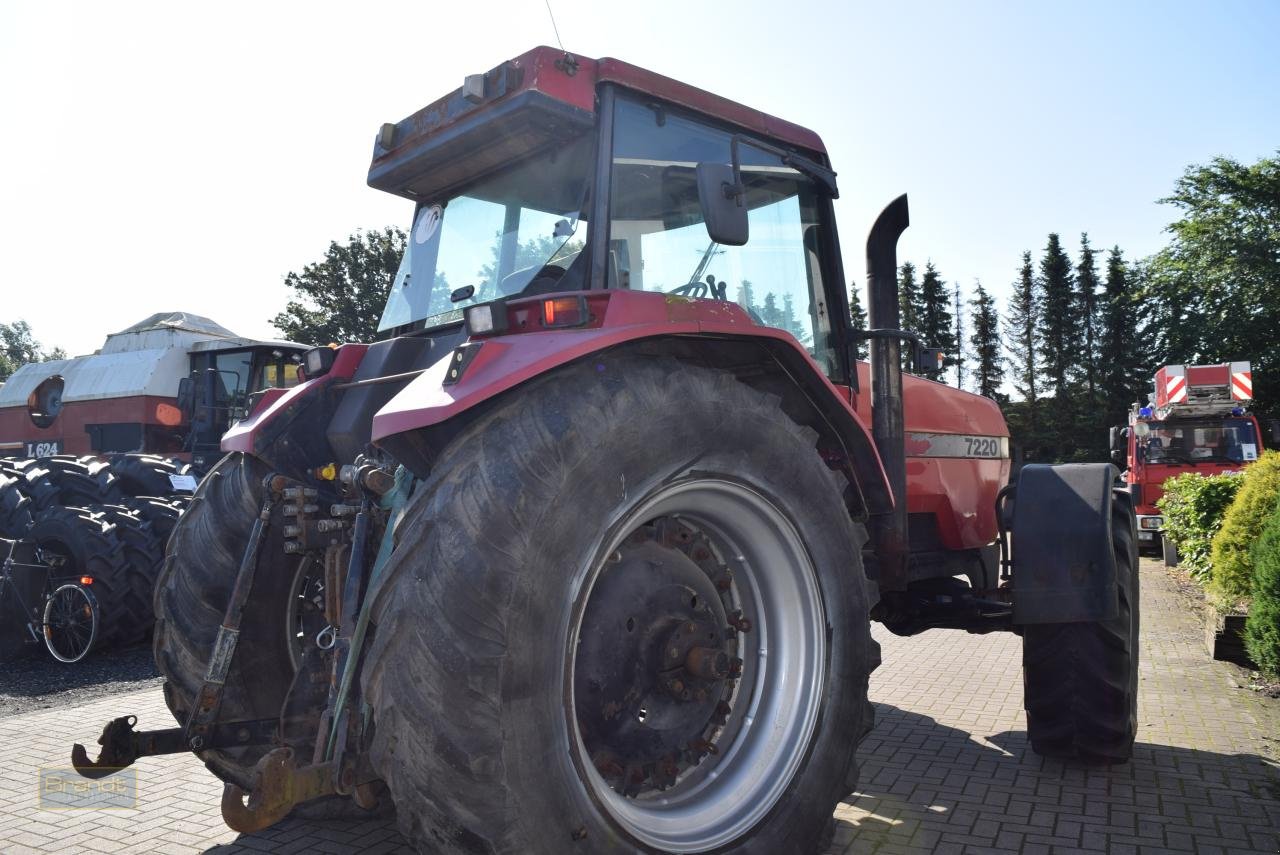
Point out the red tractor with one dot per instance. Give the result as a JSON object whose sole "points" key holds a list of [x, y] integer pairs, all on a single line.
{"points": [[1197, 420], [582, 555]]}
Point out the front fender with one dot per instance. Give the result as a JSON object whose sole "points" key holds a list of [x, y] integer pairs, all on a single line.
{"points": [[502, 363]]}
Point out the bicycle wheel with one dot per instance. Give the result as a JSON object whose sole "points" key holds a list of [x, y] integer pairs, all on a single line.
{"points": [[70, 622]]}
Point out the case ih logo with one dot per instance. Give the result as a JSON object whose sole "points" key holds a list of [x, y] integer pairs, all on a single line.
{"points": [[1242, 385], [1176, 389]]}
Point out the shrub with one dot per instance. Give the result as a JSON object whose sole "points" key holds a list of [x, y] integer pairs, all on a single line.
{"points": [[1255, 502], [1262, 627], [1193, 506]]}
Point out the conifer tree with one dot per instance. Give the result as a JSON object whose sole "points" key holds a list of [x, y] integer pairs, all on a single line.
{"points": [[1121, 361], [959, 338], [1023, 323], [1087, 295], [746, 296], [908, 298], [935, 315], [988, 368], [858, 315], [1059, 326]]}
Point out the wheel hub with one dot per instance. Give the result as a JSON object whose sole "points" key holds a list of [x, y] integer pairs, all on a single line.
{"points": [[656, 662]]}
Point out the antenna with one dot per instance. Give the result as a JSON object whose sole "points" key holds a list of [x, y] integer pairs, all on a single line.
{"points": [[553, 24]]}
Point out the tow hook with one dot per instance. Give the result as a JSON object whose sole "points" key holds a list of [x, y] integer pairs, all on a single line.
{"points": [[279, 785], [122, 745]]}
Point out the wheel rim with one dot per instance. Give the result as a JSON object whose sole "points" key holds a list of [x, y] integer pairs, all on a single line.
{"points": [[669, 778], [70, 623]]}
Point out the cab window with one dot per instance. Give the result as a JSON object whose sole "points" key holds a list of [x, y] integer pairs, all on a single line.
{"points": [[658, 241]]}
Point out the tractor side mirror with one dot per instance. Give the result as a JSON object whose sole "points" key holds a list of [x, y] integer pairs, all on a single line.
{"points": [[1275, 431], [724, 204], [1118, 457], [1119, 439], [186, 397]]}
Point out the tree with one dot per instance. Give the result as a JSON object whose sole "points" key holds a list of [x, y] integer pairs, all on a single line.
{"points": [[746, 296], [935, 316], [908, 298], [1022, 321], [858, 315], [1216, 287], [341, 297], [959, 338], [1087, 294], [984, 341], [1059, 325], [1120, 356], [791, 323], [18, 346]]}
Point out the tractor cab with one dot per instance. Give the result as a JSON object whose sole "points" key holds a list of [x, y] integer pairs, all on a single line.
{"points": [[225, 384], [553, 174]]}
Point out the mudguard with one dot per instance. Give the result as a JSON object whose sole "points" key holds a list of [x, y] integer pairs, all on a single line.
{"points": [[489, 366], [1064, 567]]}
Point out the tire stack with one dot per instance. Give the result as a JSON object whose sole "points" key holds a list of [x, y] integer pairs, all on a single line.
{"points": [[108, 518]]}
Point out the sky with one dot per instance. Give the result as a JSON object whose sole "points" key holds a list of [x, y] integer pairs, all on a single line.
{"points": [[167, 156]]}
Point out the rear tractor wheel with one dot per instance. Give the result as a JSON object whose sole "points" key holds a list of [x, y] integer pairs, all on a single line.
{"points": [[617, 620], [1081, 679], [200, 568]]}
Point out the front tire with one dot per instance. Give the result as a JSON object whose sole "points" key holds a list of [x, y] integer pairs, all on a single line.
{"points": [[543, 575], [1081, 679]]}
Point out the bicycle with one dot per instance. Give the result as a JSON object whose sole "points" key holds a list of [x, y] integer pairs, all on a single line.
{"points": [[64, 612]]}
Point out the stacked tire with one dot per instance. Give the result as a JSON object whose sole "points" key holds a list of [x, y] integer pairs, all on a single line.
{"points": [[108, 518]]}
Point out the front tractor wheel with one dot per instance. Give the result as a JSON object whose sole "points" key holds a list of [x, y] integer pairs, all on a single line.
{"points": [[626, 613]]}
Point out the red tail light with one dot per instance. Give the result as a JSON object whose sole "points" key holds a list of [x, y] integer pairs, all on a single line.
{"points": [[564, 311]]}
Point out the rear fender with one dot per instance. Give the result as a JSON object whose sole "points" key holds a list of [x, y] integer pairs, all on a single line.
{"points": [[267, 433], [1064, 567], [416, 424]]}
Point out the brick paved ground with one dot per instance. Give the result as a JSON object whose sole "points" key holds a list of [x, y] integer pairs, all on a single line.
{"points": [[946, 770]]}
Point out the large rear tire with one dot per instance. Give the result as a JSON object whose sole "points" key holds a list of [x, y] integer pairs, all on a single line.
{"points": [[15, 508], [191, 596], [81, 543], [567, 546], [1081, 679], [143, 552]]}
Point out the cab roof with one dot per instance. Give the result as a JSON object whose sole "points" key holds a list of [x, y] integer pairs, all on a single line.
{"points": [[562, 87]]}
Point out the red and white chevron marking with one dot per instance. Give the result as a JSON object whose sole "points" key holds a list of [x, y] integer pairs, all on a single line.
{"points": [[1175, 389], [1242, 385]]}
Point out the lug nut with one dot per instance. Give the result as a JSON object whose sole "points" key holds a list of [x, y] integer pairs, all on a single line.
{"points": [[735, 668]]}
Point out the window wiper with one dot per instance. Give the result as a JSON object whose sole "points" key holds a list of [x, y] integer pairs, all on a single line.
{"points": [[704, 263], [1222, 458]]}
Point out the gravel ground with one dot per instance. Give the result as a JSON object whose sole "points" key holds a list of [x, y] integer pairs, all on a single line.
{"points": [[41, 682]]}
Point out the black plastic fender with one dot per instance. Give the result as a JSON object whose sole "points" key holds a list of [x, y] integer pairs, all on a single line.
{"points": [[1064, 567]]}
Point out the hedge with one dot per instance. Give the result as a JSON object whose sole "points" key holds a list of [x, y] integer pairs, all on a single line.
{"points": [[1231, 581], [1193, 506], [1262, 627]]}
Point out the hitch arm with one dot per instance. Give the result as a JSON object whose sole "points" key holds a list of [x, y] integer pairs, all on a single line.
{"points": [[121, 744]]}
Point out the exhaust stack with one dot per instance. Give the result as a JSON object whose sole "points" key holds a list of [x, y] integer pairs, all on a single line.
{"points": [[889, 531]]}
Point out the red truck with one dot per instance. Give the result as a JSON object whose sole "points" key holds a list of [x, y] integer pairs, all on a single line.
{"points": [[1196, 421]]}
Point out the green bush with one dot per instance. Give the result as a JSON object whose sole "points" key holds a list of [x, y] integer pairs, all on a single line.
{"points": [[1255, 502], [1262, 627], [1193, 506]]}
